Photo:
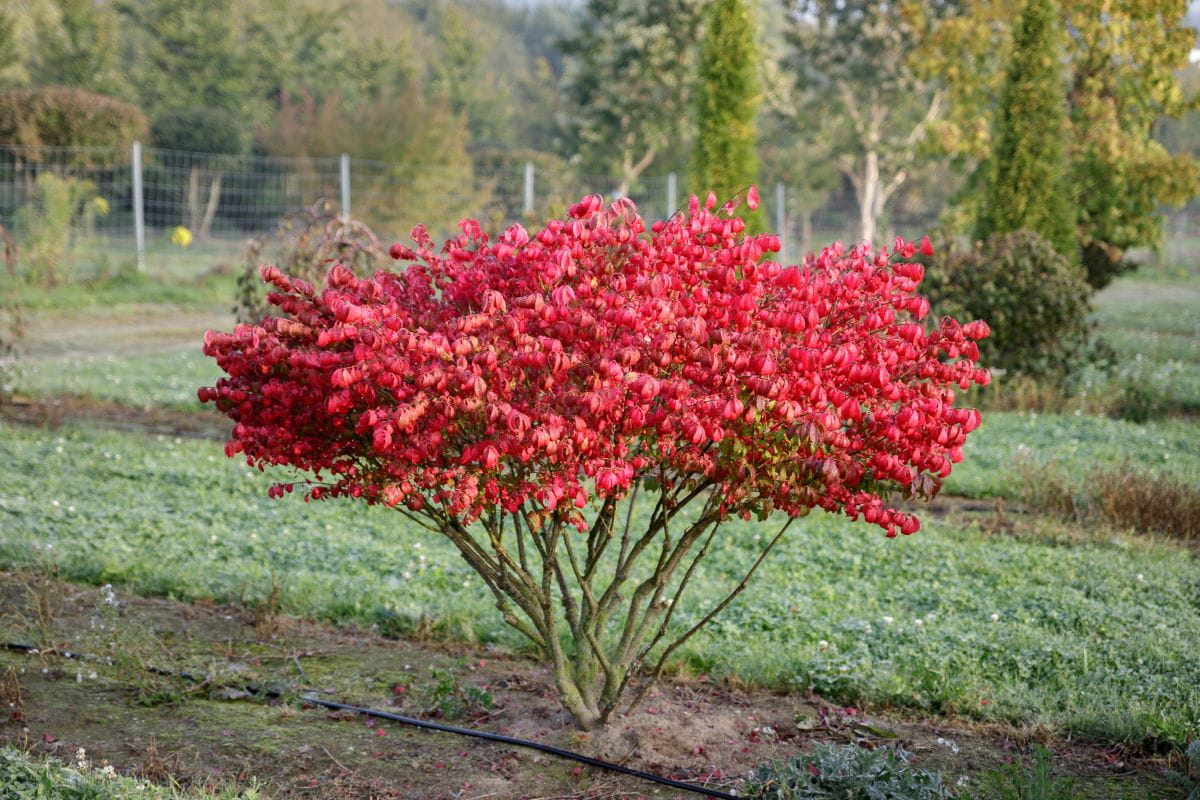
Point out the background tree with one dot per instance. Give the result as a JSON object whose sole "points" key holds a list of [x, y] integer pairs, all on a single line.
{"points": [[628, 78], [856, 84], [1122, 63], [189, 54], [10, 54], [728, 99], [80, 47], [297, 46], [1026, 186]]}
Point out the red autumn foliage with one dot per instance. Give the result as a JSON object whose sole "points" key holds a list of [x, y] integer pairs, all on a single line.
{"points": [[540, 371]]}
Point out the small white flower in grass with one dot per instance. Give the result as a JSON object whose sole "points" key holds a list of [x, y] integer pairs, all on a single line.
{"points": [[950, 744], [1141, 578], [58, 449], [55, 503], [254, 537], [918, 622], [823, 645], [71, 509], [888, 620], [995, 617]]}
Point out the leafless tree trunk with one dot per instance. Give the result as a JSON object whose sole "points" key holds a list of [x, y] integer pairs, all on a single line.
{"points": [[867, 170], [210, 211]]}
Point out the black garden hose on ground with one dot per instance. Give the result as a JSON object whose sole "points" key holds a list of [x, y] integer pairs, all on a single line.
{"points": [[433, 726]]}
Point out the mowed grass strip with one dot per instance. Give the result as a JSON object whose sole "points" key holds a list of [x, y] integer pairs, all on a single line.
{"points": [[1097, 638]]}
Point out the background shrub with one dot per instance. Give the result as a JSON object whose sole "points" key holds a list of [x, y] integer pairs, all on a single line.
{"points": [[301, 244], [61, 211], [1034, 299], [59, 117]]}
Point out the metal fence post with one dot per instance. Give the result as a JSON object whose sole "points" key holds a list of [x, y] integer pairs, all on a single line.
{"points": [[139, 211], [672, 200], [344, 170], [781, 219], [528, 206]]}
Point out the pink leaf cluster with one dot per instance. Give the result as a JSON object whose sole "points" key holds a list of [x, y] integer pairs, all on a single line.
{"points": [[544, 370]]}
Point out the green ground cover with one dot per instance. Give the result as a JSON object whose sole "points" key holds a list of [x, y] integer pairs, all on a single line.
{"points": [[999, 456], [1096, 638], [1154, 327], [158, 380], [121, 291], [25, 778]]}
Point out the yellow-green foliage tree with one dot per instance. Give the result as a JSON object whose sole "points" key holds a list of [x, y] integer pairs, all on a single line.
{"points": [[724, 157], [1121, 63]]}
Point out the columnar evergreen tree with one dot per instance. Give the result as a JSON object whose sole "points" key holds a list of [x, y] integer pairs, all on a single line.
{"points": [[724, 157], [1027, 188]]}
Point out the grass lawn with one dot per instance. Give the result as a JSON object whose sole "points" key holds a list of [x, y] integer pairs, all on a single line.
{"points": [[997, 457], [1154, 327], [158, 380], [1096, 638]]}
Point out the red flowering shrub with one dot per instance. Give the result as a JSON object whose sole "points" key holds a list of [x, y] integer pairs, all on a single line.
{"points": [[496, 391]]}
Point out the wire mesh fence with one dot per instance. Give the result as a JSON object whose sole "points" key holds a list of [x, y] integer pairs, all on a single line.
{"points": [[72, 212]]}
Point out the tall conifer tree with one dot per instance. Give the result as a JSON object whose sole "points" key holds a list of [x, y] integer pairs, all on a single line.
{"points": [[1027, 179], [725, 157]]}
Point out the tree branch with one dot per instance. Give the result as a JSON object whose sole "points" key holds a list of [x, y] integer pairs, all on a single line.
{"points": [[662, 660]]}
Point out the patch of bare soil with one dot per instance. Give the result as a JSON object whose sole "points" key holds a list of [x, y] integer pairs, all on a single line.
{"points": [[55, 412], [242, 713]]}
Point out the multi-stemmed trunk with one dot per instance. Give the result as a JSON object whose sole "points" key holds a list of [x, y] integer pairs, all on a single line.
{"points": [[600, 604]]}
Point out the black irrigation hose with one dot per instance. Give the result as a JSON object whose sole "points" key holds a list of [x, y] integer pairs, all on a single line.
{"points": [[435, 726], [31, 650], [545, 748]]}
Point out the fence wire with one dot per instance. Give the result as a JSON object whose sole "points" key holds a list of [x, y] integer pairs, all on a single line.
{"points": [[201, 209]]}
